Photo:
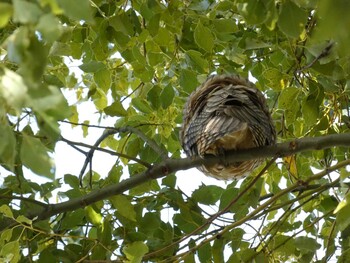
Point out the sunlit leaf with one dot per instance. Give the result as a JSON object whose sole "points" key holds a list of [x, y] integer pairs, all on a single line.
{"points": [[10, 251], [26, 12], [115, 109], [50, 27], [124, 206], [291, 165], [34, 155], [93, 216], [13, 89], [135, 251], [5, 14], [292, 19], [207, 194], [204, 37], [195, 59], [7, 146], [4, 209], [77, 10]]}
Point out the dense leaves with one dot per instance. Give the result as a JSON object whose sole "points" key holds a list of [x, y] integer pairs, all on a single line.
{"points": [[134, 63]]}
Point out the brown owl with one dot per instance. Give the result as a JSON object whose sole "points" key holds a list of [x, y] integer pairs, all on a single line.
{"points": [[226, 113]]}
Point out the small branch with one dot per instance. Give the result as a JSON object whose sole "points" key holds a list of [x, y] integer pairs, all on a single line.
{"points": [[146, 139], [90, 154], [324, 53], [29, 200], [147, 165], [129, 129], [265, 205]]}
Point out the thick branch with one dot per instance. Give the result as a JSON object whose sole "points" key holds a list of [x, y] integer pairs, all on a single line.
{"points": [[169, 166]]}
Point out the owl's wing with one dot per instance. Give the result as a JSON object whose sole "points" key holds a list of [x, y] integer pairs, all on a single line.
{"points": [[225, 106]]}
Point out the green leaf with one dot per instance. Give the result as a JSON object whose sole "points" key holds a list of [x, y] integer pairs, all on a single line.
{"points": [[155, 58], [49, 27], [49, 102], [123, 206], [283, 244], [13, 89], [205, 253], [292, 19], [34, 155], [93, 216], [288, 101], [115, 109], [203, 37], [6, 11], [103, 79], [10, 252], [121, 23], [150, 222], [197, 61], [218, 250], [167, 96], [141, 105], [7, 147], [310, 109], [26, 12], [274, 78], [227, 196], [71, 180], [100, 99], [153, 96], [306, 244], [6, 210], [5, 236], [330, 15], [77, 10], [23, 219], [225, 25], [135, 251], [188, 80], [92, 66], [254, 11], [208, 195], [343, 214], [73, 219]]}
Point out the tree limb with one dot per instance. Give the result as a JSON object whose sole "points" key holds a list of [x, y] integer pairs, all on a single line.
{"points": [[169, 166]]}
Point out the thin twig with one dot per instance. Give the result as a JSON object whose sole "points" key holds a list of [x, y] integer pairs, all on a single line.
{"points": [[33, 201], [108, 151], [324, 53], [130, 129]]}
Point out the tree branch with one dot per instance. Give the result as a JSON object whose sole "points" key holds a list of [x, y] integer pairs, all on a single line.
{"points": [[169, 166]]}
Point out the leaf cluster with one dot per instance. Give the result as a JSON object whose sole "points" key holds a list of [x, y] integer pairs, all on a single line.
{"points": [[135, 64]]}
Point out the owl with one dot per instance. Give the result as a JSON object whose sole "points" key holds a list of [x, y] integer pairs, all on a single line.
{"points": [[226, 112]]}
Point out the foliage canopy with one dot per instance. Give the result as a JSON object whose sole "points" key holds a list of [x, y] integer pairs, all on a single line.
{"points": [[140, 60]]}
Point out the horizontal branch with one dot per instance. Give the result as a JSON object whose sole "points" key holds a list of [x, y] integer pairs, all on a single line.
{"points": [[169, 166]]}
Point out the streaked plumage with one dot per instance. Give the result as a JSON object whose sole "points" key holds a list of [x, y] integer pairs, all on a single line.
{"points": [[226, 112]]}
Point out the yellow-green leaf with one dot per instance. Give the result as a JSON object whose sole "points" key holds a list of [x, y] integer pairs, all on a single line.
{"points": [[26, 12], [5, 14], [203, 37], [292, 19], [124, 206], [6, 210], [78, 10], [34, 155], [13, 89], [135, 251], [93, 216]]}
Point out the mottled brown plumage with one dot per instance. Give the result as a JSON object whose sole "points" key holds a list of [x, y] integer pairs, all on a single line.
{"points": [[226, 112]]}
